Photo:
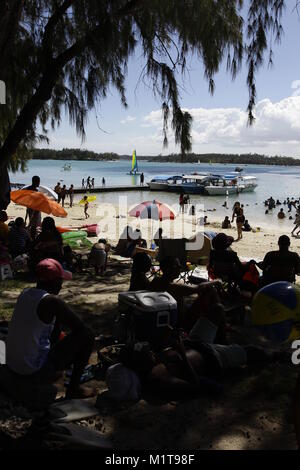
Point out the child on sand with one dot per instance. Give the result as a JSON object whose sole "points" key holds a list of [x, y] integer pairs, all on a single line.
{"points": [[86, 206]]}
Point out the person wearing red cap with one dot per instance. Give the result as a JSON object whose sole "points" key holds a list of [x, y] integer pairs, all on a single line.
{"points": [[33, 348]]}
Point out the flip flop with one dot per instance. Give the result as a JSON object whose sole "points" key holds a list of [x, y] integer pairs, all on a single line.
{"points": [[67, 411], [76, 436]]}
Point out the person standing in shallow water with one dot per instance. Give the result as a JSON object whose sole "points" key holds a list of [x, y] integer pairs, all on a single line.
{"points": [[103, 182]]}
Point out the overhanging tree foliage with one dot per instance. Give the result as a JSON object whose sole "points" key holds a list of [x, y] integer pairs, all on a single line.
{"points": [[60, 55]]}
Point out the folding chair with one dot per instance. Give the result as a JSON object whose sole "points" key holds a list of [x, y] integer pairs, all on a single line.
{"points": [[175, 248]]}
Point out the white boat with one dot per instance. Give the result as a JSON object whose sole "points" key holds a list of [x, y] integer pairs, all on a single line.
{"points": [[231, 184], [163, 182], [67, 167]]}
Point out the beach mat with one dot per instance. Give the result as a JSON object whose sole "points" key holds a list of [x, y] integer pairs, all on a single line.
{"points": [[73, 410], [75, 436]]}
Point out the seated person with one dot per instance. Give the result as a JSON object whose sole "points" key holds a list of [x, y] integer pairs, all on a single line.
{"points": [[19, 238], [98, 256], [246, 226], [281, 214], [225, 263], [48, 244], [226, 223], [207, 292], [125, 238], [141, 265], [158, 236], [72, 261], [5, 257], [4, 230], [280, 265], [33, 349], [136, 240]]}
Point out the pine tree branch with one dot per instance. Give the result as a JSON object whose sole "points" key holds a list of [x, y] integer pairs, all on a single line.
{"points": [[47, 42]]}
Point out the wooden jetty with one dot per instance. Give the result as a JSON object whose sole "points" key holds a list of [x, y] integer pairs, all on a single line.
{"points": [[99, 189]]}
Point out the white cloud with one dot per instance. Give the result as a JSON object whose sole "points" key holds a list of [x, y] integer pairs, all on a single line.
{"points": [[296, 86], [128, 119], [276, 129]]}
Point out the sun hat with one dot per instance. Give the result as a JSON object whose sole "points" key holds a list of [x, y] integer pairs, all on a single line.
{"points": [[50, 270], [222, 241]]}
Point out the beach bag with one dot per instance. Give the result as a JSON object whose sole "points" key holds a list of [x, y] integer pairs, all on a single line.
{"points": [[252, 275]]}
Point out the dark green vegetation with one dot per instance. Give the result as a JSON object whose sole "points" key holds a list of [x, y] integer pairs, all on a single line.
{"points": [[71, 154], [243, 159], [64, 57]]}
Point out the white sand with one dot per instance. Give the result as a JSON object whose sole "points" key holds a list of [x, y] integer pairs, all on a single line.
{"points": [[112, 220]]}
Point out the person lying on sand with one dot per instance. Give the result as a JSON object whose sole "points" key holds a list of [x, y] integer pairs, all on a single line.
{"points": [[179, 368], [33, 345]]}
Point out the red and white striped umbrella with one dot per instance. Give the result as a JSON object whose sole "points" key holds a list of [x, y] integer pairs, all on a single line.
{"points": [[154, 210]]}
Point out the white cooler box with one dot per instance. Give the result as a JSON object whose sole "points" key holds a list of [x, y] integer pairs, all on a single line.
{"points": [[148, 311]]}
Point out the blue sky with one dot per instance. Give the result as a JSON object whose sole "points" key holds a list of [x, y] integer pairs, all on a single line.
{"points": [[219, 120]]}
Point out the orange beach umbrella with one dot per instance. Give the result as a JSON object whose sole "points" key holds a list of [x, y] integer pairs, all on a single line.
{"points": [[37, 201]]}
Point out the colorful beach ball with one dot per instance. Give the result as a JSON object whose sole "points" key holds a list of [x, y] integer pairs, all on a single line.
{"points": [[275, 311]]}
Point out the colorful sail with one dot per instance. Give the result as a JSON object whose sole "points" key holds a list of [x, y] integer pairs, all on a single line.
{"points": [[134, 166]]}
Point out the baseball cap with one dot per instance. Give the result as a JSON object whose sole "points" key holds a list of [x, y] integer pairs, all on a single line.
{"points": [[222, 241], [51, 270]]}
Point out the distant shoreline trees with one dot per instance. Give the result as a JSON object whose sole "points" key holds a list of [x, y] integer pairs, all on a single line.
{"points": [[71, 154], [231, 158]]}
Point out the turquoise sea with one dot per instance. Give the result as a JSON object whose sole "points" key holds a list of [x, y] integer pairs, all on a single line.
{"points": [[279, 182]]}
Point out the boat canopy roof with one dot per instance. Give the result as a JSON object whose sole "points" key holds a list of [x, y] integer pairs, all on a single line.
{"points": [[249, 177], [195, 177], [166, 177]]}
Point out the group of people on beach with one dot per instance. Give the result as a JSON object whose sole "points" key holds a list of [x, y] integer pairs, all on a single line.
{"points": [[290, 203], [196, 345], [62, 192], [89, 183], [184, 358]]}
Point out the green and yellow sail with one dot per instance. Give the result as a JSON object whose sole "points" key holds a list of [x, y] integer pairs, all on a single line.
{"points": [[134, 165]]}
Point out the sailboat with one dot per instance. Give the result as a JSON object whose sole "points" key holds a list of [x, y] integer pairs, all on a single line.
{"points": [[134, 165]]}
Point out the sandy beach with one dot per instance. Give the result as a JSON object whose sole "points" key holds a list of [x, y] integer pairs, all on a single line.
{"points": [[253, 413], [113, 218]]}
